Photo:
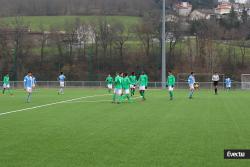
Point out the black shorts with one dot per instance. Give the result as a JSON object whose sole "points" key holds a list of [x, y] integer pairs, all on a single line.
{"points": [[216, 83]]}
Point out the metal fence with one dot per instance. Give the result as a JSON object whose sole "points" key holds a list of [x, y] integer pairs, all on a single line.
{"points": [[102, 84]]}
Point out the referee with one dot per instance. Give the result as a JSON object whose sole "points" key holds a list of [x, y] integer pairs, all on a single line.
{"points": [[215, 79]]}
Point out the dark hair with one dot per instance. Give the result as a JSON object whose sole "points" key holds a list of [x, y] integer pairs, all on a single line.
{"points": [[133, 73], [125, 74], [192, 73], [29, 72], [61, 72], [169, 71]]}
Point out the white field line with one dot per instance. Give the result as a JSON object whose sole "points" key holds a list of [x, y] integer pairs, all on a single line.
{"points": [[51, 104], [95, 101]]}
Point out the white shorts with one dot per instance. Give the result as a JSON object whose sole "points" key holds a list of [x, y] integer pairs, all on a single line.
{"points": [[118, 91], [110, 86], [142, 88], [126, 91], [29, 89], [6, 86], [170, 88], [62, 84], [132, 86], [191, 86]]}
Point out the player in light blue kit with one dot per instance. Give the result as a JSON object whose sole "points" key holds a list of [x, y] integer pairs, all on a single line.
{"points": [[191, 82], [61, 80], [228, 83], [28, 85]]}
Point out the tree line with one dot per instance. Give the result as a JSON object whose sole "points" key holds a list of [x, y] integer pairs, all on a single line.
{"points": [[90, 50]]}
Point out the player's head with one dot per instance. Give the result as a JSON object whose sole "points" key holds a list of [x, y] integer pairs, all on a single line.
{"points": [[142, 73], [109, 75], [121, 74], [132, 73], [29, 73], [125, 74], [192, 73], [169, 72], [7, 74], [61, 73]]}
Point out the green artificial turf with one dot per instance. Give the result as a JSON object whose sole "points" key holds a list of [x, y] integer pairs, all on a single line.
{"points": [[93, 132], [47, 22]]}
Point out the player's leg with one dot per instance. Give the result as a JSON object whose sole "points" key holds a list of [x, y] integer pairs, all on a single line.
{"points": [[29, 91], [4, 88], [143, 88], [216, 87], [171, 92], [120, 97], [126, 94], [134, 89], [191, 92], [9, 90], [114, 96]]}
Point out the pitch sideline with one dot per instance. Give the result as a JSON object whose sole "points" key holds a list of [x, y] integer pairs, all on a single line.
{"points": [[51, 104]]}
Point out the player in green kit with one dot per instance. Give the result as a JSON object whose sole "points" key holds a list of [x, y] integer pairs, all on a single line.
{"points": [[109, 81], [171, 84], [133, 81], [118, 88], [6, 84], [143, 84], [126, 86]]}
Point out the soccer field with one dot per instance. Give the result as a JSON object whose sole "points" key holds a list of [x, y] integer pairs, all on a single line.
{"points": [[82, 128]]}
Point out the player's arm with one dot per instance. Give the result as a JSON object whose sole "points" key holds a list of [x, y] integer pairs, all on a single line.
{"points": [[146, 81], [24, 83]]}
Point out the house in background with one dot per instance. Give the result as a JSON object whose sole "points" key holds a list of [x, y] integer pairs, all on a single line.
{"points": [[183, 8], [223, 8]]}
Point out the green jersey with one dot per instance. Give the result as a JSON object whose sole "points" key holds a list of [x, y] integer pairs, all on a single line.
{"points": [[109, 80], [132, 79], [171, 80], [118, 82], [6, 80], [143, 80], [126, 83]]}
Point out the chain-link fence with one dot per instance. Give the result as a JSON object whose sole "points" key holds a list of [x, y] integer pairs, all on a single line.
{"points": [[101, 84]]}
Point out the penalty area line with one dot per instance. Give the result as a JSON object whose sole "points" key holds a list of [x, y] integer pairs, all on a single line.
{"points": [[51, 104]]}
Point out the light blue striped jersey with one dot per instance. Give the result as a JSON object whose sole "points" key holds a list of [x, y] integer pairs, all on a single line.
{"points": [[61, 78], [28, 81], [191, 80], [228, 82]]}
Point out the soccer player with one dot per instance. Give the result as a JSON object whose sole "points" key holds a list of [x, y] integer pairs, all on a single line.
{"points": [[6, 84], [171, 84], [228, 83], [109, 81], [126, 85], [28, 85], [61, 80], [191, 82], [215, 79], [143, 83], [133, 81], [118, 88]]}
